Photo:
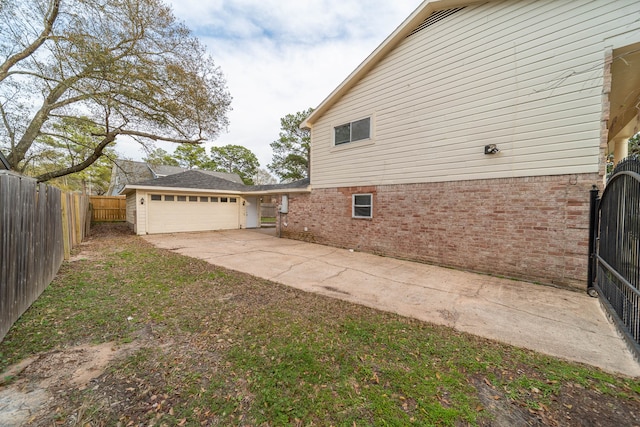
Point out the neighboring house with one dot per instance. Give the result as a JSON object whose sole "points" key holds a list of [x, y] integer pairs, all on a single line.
{"points": [[196, 200], [128, 172], [472, 135]]}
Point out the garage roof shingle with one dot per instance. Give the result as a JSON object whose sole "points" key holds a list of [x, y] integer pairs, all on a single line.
{"points": [[201, 180]]}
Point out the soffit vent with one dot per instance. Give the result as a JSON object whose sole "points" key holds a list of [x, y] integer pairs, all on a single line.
{"points": [[435, 17]]}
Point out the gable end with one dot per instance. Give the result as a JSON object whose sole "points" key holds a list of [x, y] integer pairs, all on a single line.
{"points": [[435, 17]]}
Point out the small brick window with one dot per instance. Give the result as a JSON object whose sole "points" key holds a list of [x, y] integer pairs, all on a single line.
{"points": [[362, 206]]}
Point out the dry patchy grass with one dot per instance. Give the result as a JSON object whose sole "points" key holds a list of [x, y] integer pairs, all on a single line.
{"points": [[195, 344]]}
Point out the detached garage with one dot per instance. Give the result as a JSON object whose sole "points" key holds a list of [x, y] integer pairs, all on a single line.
{"points": [[173, 212], [197, 201]]}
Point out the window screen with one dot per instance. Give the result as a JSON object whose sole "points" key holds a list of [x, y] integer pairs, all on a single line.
{"points": [[362, 206], [354, 131]]}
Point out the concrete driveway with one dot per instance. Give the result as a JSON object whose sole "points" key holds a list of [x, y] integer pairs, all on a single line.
{"points": [[561, 323]]}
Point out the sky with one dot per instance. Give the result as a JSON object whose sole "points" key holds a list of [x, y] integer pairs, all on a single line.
{"points": [[282, 56]]}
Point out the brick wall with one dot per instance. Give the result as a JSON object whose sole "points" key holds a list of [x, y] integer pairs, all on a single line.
{"points": [[534, 228]]}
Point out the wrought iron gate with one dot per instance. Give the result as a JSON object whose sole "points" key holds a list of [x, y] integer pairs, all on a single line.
{"points": [[614, 271]]}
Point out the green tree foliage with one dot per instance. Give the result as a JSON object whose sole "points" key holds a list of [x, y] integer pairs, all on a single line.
{"points": [[127, 65], [159, 156], [634, 145], [236, 159], [192, 156], [69, 142], [290, 161]]}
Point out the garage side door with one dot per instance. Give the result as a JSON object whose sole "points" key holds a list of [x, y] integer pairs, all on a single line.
{"points": [[170, 213]]}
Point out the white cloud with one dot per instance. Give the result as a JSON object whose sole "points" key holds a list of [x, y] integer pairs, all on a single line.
{"points": [[280, 57]]}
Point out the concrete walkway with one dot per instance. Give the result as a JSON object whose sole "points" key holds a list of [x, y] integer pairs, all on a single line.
{"points": [[562, 323]]}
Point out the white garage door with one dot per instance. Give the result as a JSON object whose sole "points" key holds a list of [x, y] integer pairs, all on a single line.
{"points": [[170, 213]]}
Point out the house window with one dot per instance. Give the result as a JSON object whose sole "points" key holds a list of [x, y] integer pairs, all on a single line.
{"points": [[214, 200], [233, 200], [204, 199], [182, 198], [362, 206], [354, 131], [193, 198], [156, 197], [169, 198], [224, 199]]}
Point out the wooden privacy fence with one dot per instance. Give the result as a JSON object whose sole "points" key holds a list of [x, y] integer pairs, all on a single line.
{"points": [[267, 210], [108, 208], [38, 227]]}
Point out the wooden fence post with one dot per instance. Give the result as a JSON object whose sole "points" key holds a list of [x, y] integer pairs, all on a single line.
{"points": [[66, 236]]}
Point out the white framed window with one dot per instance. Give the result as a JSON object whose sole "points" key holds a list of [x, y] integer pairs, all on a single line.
{"points": [[156, 197], [353, 131], [362, 205]]}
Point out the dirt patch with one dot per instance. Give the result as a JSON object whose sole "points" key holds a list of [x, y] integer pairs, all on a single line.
{"points": [[31, 387], [503, 413]]}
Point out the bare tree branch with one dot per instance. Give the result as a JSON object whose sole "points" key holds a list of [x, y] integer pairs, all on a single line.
{"points": [[127, 65], [97, 152], [161, 138], [50, 18]]}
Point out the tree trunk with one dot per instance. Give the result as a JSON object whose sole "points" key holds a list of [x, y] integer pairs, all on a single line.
{"points": [[97, 152]]}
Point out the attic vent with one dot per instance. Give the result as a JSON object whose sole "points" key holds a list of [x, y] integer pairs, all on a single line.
{"points": [[435, 17]]}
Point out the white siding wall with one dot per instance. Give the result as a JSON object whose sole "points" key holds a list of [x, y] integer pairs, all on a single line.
{"points": [[141, 212], [131, 210], [525, 75]]}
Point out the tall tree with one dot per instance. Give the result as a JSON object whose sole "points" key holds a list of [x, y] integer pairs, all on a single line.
{"points": [[290, 161], [127, 65], [191, 156], [159, 156], [236, 159]]}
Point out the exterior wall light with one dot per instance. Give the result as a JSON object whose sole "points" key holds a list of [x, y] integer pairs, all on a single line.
{"points": [[142, 200], [491, 149]]}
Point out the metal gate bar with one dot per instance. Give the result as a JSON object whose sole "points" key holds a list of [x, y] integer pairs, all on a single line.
{"points": [[615, 254]]}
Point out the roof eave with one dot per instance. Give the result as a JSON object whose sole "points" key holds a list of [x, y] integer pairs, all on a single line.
{"points": [[420, 14], [131, 188], [278, 191]]}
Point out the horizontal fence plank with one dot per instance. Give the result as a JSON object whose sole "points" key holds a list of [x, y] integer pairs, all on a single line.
{"points": [[108, 208]]}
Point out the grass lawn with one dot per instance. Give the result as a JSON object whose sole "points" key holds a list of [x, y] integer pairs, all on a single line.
{"points": [[209, 346]]}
